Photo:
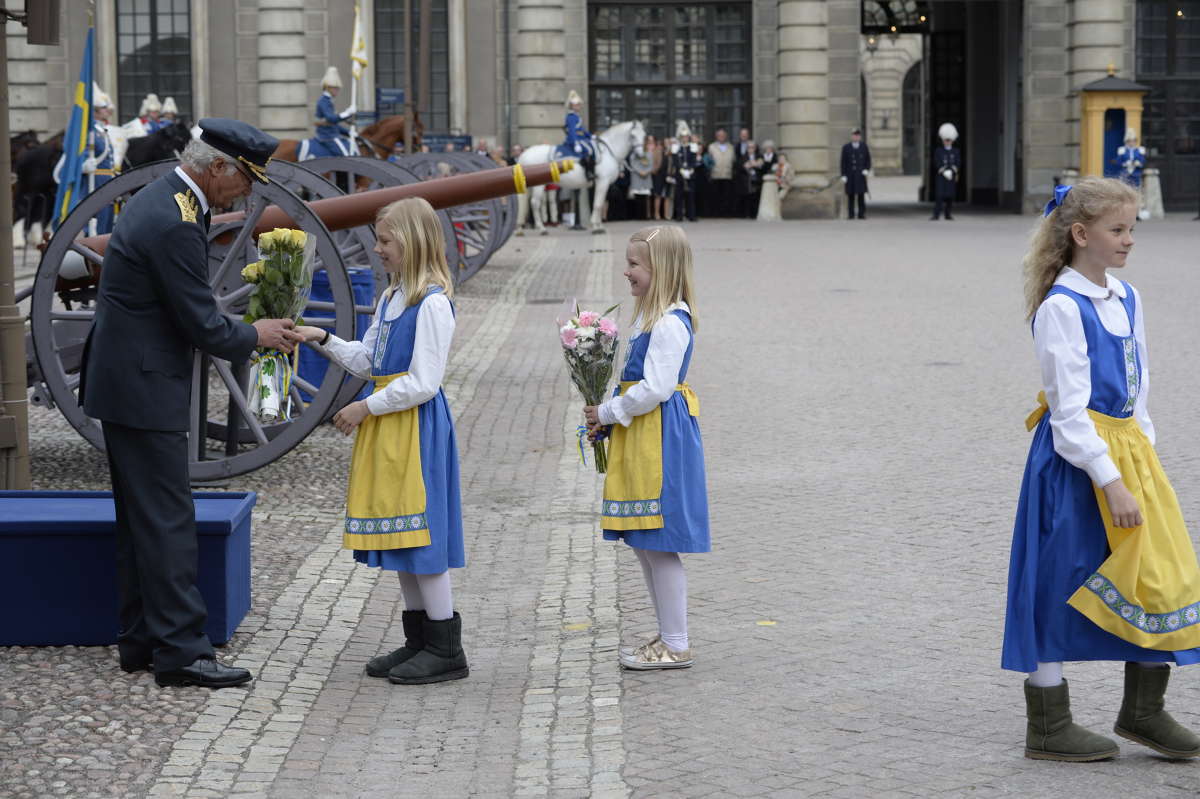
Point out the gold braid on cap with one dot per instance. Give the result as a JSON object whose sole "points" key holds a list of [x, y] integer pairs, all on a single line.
{"points": [[258, 171]]}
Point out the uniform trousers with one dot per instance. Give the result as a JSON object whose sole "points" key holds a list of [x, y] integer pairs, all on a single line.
{"points": [[162, 613], [861, 200]]}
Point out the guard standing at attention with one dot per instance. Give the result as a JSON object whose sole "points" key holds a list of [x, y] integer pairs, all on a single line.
{"points": [[947, 162], [154, 309], [856, 166]]}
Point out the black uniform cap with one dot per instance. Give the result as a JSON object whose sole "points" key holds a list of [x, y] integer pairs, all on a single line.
{"points": [[240, 141]]}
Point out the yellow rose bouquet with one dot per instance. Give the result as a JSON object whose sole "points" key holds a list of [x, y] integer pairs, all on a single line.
{"points": [[282, 280]]}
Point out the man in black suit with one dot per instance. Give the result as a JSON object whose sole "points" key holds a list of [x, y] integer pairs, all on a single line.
{"points": [[154, 309], [856, 166]]}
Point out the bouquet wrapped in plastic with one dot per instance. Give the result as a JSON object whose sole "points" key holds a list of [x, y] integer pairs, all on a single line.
{"points": [[589, 342], [282, 280]]}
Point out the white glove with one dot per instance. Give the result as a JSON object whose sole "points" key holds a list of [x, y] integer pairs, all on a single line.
{"points": [[866, 172], [845, 179], [349, 112], [89, 166], [948, 174]]}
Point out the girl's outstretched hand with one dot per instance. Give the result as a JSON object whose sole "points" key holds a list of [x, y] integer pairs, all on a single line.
{"points": [[1121, 505], [310, 333]]}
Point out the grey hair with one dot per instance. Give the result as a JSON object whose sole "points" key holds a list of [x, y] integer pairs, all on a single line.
{"points": [[199, 156], [768, 143]]}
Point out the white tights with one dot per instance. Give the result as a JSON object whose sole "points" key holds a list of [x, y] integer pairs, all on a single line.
{"points": [[667, 583], [1049, 675], [428, 592]]}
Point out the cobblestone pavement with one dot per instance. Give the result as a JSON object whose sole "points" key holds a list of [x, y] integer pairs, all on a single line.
{"points": [[863, 387]]}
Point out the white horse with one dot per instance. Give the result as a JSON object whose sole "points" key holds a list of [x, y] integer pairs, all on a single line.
{"points": [[612, 146]]}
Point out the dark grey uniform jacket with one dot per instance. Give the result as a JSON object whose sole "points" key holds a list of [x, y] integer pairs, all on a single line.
{"points": [[155, 307]]}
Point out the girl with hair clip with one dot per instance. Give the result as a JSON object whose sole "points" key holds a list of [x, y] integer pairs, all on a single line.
{"points": [[403, 511], [655, 498], [1102, 567]]}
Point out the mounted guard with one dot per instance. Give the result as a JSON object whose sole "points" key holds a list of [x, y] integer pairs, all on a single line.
{"points": [[150, 114], [579, 143], [332, 137], [99, 166], [170, 112]]}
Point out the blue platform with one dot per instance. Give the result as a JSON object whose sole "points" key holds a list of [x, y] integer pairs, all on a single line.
{"points": [[59, 552]]}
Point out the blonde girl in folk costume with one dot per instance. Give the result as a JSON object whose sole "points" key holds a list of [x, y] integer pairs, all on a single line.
{"points": [[654, 492], [1102, 567], [403, 512]]}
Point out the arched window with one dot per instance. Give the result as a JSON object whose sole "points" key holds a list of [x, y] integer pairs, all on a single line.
{"points": [[154, 53]]}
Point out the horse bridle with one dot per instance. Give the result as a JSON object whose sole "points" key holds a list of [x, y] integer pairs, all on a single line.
{"points": [[376, 146]]}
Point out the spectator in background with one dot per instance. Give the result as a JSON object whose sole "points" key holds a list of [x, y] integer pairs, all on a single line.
{"points": [[397, 152], [686, 164], [641, 180], [658, 178], [720, 178], [749, 181], [425, 148], [743, 143], [481, 147], [514, 154], [784, 173], [449, 147], [769, 158], [497, 155]]}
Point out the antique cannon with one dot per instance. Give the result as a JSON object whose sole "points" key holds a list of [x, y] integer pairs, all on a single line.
{"points": [[225, 438]]}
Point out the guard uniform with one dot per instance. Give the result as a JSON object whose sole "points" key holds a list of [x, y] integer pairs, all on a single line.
{"points": [[333, 138], [154, 309], [947, 163], [856, 162], [578, 142], [1131, 159]]}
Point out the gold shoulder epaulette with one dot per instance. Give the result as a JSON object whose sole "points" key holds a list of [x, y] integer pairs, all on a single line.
{"points": [[188, 205]]}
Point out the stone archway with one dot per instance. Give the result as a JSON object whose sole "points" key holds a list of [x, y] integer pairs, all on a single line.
{"points": [[885, 65], [912, 114]]}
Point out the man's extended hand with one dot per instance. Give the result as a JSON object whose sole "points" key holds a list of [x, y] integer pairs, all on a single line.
{"points": [[277, 334]]}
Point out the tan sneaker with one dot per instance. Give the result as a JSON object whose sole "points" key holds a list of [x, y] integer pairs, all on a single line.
{"points": [[627, 651], [656, 655]]}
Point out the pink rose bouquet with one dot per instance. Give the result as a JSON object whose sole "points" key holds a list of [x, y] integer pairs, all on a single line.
{"points": [[589, 342]]}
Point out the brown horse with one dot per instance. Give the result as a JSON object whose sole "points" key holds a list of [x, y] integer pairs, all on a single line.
{"points": [[374, 141]]}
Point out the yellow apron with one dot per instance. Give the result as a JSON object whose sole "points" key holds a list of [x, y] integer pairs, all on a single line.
{"points": [[1147, 591], [633, 483], [385, 505]]}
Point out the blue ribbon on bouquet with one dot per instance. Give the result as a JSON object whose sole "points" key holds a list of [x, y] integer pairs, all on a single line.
{"points": [[582, 432]]}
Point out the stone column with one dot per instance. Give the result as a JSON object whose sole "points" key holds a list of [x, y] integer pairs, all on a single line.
{"points": [[539, 71], [283, 71], [200, 59], [1046, 126], [804, 105], [246, 58], [1096, 35], [457, 23], [29, 95]]}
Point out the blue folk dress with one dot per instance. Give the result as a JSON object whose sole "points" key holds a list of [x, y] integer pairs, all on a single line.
{"points": [[683, 502], [382, 467], [1059, 539]]}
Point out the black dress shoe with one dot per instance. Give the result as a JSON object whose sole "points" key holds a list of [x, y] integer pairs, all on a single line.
{"points": [[134, 666], [205, 672]]}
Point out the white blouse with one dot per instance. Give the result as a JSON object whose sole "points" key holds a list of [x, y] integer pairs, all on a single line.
{"points": [[431, 350], [1061, 347], [669, 340]]}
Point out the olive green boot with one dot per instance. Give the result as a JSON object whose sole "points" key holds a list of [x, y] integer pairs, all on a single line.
{"points": [[414, 642], [1143, 719], [1050, 733]]}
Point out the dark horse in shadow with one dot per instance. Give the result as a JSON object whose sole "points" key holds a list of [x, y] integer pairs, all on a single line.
{"points": [[158, 146], [34, 190]]}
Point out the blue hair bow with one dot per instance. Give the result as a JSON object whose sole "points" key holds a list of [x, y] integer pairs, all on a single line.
{"points": [[1060, 194]]}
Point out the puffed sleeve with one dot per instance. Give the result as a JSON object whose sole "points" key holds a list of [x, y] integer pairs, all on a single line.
{"points": [[1061, 348], [1140, 410], [431, 351], [669, 341], [355, 356]]}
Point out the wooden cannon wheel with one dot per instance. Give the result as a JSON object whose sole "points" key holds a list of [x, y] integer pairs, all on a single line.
{"points": [[62, 308]]}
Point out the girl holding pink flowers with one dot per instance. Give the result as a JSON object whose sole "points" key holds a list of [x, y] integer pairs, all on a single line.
{"points": [[655, 498]]}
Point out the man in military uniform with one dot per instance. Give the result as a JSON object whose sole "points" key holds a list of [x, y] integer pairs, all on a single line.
{"points": [[154, 309], [333, 138], [947, 162], [856, 167], [101, 163]]}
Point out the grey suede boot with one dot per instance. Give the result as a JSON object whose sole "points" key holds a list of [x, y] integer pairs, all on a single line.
{"points": [[1052, 735], [442, 658], [1143, 719], [414, 642]]}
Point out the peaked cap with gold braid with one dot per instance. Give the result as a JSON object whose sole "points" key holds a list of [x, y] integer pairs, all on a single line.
{"points": [[242, 142]]}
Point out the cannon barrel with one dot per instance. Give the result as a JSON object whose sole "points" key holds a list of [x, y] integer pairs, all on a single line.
{"points": [[340, 213]]}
